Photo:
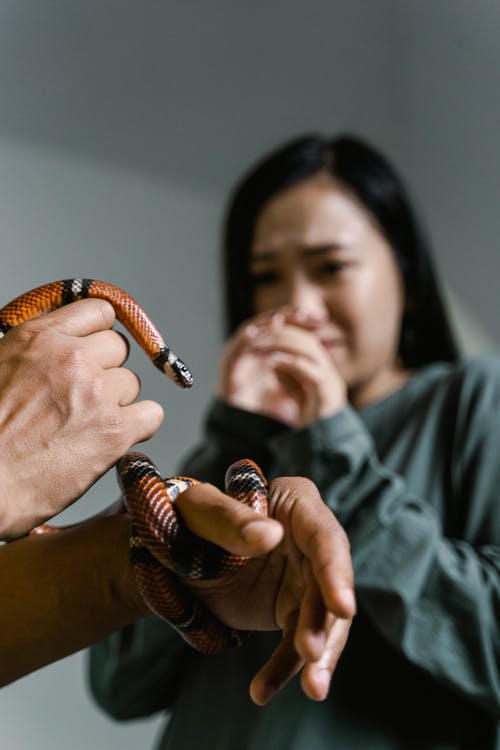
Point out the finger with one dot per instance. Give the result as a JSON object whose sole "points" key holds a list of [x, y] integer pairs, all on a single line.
{"points": [[255, 324], [303, 319], [327, 547], [283, 665], [221, 519], [287, 314], [314, 623], [316, 676], [322, 394], [123, 384], [304, 380], [320, 537], [298, 368], [291, 340], [144, 419], [232, 351], [108, 348], [81, 318]]}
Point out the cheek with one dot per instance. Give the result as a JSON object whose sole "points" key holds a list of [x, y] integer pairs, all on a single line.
{"points": [[265, 299], [370, 312], [386, 303]]}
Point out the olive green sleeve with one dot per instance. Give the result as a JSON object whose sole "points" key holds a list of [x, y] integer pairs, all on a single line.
{"points": [[231, 434], [138, 670], [436, 599]]}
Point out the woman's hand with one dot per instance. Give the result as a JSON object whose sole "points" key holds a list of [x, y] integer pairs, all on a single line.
{"points": [[276, 365], [299, 580]]}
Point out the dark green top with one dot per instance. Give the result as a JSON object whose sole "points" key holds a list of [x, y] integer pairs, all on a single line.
{"points": [[415, 480]]}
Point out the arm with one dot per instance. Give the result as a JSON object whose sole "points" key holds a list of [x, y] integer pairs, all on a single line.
{"points": [[298, 581], [138, 671], [435, 598], [120, 682], [62, 591], [432, 592]]}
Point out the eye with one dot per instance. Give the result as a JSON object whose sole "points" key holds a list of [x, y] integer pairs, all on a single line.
{"points": [[330, 267], [264, 278]]}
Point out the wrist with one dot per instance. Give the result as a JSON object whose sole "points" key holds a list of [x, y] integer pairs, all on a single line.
{"points": [[14, 522]]}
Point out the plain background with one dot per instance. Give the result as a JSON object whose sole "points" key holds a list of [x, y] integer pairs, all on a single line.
{"points": [[122, 127]]}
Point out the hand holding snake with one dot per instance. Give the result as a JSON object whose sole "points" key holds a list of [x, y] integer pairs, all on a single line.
{"points": [[177, 572]]}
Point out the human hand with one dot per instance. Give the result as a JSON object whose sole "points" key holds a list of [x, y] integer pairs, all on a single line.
{"points": [[275, 364], [67, 411], [299, 580]]}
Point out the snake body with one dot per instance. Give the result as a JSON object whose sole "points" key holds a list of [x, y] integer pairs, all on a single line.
{"points": [[128, 311], [164, 553]]}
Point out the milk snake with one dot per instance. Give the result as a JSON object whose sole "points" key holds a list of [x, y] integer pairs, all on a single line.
{"points": [[163, 552]]}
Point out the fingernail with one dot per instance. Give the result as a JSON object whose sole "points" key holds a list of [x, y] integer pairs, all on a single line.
{"points": [[253, 531]]}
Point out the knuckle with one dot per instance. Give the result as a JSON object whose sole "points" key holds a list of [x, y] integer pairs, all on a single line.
{"points": [[29, 333], [105, 310], [95, 392], [112, 430], [340, 533], [135, 380], [302, 485], [70, 359]]}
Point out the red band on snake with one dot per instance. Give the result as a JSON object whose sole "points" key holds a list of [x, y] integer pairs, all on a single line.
{"points": [[164, 553]]}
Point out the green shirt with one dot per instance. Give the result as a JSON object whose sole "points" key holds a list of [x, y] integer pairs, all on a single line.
{"points": [[415, 480]]}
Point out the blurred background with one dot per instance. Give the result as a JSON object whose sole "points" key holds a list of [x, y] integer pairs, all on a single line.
{"points": [[122, 127]]}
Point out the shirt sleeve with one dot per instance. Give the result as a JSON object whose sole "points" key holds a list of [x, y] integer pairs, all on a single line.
{"points": [[138, 670], [230, 435], [436, 599]]}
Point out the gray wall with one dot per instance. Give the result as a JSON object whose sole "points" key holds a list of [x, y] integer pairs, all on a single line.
{"points": [[122, 126]]}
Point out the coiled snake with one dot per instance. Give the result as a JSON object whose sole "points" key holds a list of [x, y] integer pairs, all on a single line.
{"points": [[163, 552]]}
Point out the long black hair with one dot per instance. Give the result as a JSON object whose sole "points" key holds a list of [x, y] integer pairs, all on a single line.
{"points": [[426, 334]]}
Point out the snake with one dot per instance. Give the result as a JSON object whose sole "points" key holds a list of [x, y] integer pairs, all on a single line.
{"points": [[164, 554]]}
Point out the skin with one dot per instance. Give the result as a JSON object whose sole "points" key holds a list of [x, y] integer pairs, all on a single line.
{"points": [[299, 580], [328, 298], [65, 402]]}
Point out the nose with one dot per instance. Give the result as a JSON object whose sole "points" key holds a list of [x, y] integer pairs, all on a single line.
{"points": [[308, 298]]}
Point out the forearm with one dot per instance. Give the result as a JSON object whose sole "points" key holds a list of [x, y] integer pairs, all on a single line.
{"points": [[424, 592], [61, 592], [436, 599]]}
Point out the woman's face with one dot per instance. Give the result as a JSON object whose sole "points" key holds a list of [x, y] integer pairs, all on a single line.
{"points": [[317, 249]]}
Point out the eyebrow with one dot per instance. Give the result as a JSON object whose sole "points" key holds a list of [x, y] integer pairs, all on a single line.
{"points": [[261, 255]]}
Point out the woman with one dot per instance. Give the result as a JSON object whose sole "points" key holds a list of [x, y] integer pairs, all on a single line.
{"points": [[341, 367]]}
